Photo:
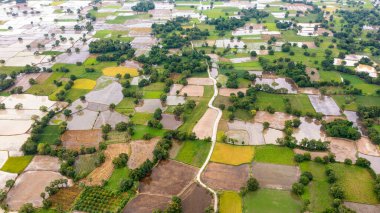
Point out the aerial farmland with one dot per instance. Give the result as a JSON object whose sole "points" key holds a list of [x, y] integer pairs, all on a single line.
{"points": [[173, 106]]}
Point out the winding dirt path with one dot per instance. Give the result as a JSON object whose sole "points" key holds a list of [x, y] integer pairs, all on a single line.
{"points": [[213, 140]]}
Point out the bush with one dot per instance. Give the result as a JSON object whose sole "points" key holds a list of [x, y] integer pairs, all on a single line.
{"points": [[298, 189], [348, 161], [336, 191], [252, 184], [362, 162]]}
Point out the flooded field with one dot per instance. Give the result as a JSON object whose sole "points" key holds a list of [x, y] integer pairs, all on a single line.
{"points": [[278, 83], [310, 129], [324, 104], [254, 130]]}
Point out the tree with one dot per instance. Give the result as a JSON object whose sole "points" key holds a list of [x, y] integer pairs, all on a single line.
{"points": [[67, 112], [252, 184], [298, 189], [27, 208], [253, 53]]}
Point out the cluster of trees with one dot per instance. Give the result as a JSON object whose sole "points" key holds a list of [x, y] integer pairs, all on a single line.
{"points": [[314, 145], [253, 13], [341, 129], [299, 187], [187, 107], [155, 121], [143, 6], [251, 186], [369, 115], [112, 50], [288, 68], [224, 24], [352, 29], [190, 61], [175, 206], [120, 161], [30, 146]]}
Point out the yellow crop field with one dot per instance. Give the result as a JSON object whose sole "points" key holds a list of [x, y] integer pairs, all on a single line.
{"points": [[84, 84], [230, 202], [232, 154], [113, 71]]}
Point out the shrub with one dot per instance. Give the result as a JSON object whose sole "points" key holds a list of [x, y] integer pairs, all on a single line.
{"points": [[298, 189], [362, 162]]}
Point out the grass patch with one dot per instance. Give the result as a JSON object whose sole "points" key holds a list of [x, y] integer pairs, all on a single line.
{"points": [[230, 202], [8, 70], [357, 183], [232, 154], [329, 76], [317, 192], [50, 134], [17, 164], [141, 118], [113, 182], [192, 117], [300, 102], [352, 102], [51, 52], [270, 201], [85, 164], [356, 82], [274, 154], [193, 152], [141, 130], [65, 197], [126, 106]]}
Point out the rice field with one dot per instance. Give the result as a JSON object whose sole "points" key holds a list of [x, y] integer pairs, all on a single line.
{"points": [[84, 84], [232, 154], [113, 71]]}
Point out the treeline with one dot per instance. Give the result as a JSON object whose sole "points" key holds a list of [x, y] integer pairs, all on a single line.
{"points": [[143, 6], [370, 115], [173, 35], [288, 68], [190, 61], [112, 50], [341, 129]]}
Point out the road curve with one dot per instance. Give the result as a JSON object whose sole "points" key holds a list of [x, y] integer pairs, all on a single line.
{"points": [[213, 141]]}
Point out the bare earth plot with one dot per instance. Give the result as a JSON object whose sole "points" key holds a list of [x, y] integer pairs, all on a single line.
{"points": [[28, 101], [104, 172], [192, 91], [363, 208], [227, 91], [169, 121], [14, 127], [225, 177], [195, 199], [74, 139], [204, 128], [271, 135], [13, 143], [28, 188], [23, 81], [275, 176], [150, 105], [254, 130], [144, 203], [109, 117], [276, 120], [175, 88], [141, 151], [310, 129], [200, 81], [366, 147], [375, 162], [173, 100], [43, 163], [342, 149], [168, 178], [108, 95], [82, 120], [4, 176], [324, 104]]}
